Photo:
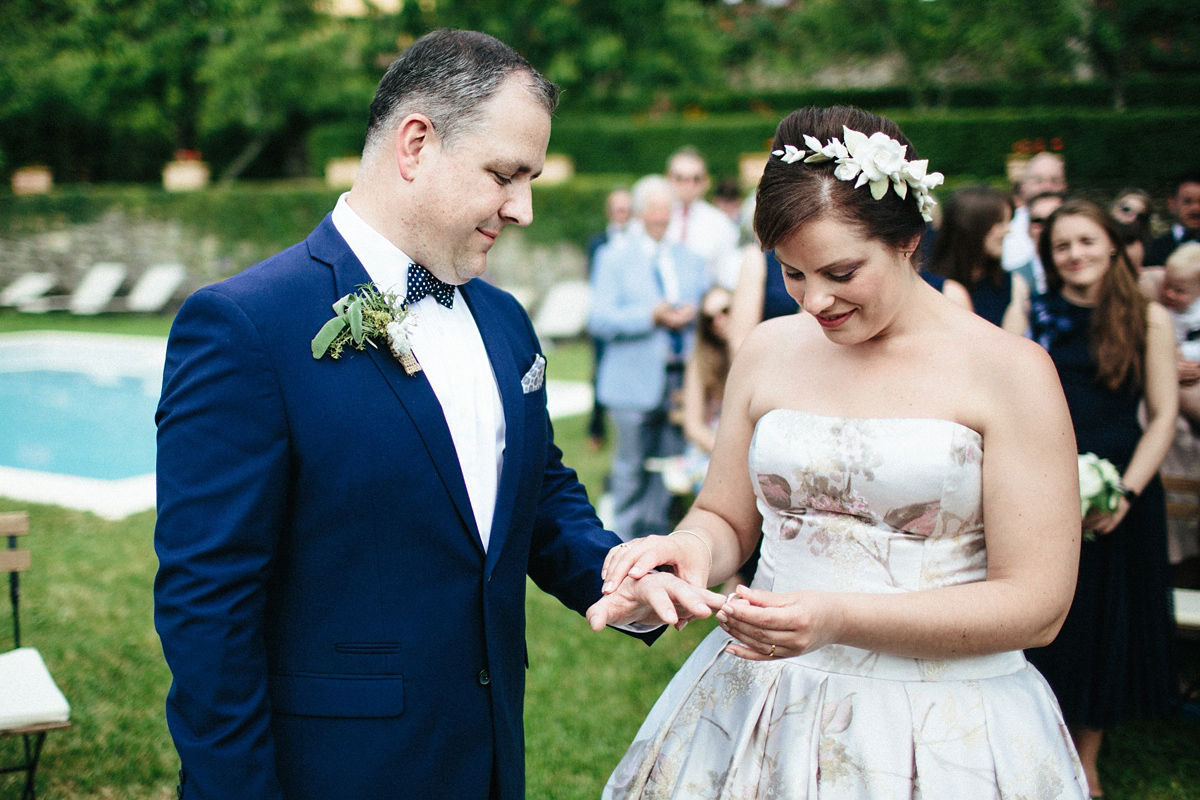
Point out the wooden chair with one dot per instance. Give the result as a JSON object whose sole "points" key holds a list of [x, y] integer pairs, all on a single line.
{"points": [[1185, 506], [1188, 509], [30, 701]]}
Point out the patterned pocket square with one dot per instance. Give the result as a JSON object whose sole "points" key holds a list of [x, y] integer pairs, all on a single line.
{"points": [[537, 373]]}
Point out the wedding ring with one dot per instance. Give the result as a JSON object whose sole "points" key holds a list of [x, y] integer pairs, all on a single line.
{"points": [[622, 544], [772, 653]]}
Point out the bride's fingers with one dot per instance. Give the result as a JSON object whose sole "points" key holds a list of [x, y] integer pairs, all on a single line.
{"points": [[758, 652], [617, 564]]}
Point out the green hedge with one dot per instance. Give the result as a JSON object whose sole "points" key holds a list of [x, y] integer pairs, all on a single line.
{"points": [[1140, 92], [1103, 149], [270, 215], [250, 221]]}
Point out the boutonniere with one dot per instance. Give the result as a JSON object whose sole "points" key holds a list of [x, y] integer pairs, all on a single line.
{"points": [[366, 317]]}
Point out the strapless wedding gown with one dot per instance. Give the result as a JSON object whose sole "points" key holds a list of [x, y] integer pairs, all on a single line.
{"points": [[857, 505]]}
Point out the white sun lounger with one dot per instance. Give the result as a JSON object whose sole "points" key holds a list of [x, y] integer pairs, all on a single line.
{"points": [[93, 294], [154, 289], [27, 288], [563, 313]]}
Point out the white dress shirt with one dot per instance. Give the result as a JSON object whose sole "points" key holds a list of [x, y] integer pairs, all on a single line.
{"points": [[1018, 249], [453, 359], [709, 233]]}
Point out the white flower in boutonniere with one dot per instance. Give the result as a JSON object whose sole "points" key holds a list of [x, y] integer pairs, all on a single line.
{"points": [[365, 317], [1100, 487]]}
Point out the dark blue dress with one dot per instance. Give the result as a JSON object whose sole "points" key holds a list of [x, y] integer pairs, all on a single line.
{"points": [[1112, 660], [776, 300], [991, 301]]}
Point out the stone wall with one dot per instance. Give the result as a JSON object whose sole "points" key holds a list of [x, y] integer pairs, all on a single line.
{"points": [[67, 249]]}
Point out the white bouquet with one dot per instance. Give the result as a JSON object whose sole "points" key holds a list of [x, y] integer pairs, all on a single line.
{"points": [[1100, 487]]}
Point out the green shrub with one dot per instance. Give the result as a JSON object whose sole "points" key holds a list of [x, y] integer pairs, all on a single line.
{"points": [[1098, 145]]}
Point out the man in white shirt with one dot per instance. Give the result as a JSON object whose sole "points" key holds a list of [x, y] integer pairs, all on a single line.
{"points": [[1045, 172], [698, 225], [345, 535]]}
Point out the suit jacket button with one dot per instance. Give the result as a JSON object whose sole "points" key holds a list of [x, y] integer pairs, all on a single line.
{"points": [[484, 677]]}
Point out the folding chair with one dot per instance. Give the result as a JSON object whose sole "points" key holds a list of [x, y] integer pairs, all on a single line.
{"points": [[30, 701], [1184, 504]]}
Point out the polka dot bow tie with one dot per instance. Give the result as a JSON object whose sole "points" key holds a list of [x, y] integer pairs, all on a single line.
{"points": [[421, 283]]}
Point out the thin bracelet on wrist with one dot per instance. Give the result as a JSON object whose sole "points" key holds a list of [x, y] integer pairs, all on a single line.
{"points": [[703, 541], [1129, 494]]}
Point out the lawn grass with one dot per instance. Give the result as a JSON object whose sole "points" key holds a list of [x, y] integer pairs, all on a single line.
{"points": [[87, 606]]}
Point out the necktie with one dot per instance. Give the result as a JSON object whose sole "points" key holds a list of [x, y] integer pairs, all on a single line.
{"points": [[421, 283]]}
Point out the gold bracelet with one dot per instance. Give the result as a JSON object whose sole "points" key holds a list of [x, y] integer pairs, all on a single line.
{"points": [[703, 542]]}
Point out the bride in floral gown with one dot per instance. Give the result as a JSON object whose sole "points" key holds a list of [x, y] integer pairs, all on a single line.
{"points": [[911, 471]]}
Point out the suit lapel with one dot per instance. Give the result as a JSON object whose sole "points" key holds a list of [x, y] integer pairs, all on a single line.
{"points": [[508, 378], [414, 392]]}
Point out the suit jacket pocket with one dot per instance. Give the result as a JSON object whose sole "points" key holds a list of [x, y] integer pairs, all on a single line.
{"points": [[337, 695]]}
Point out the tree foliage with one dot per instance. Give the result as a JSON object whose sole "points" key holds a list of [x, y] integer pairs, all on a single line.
{"points": [[109, 89]]}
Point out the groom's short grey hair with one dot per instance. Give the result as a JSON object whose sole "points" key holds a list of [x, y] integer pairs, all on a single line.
{"points": [[448, 75]]}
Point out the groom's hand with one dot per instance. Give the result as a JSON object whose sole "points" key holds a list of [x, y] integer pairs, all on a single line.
{"points": [[659, 598]]}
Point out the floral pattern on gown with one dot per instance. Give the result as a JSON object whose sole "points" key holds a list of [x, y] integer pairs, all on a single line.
{"points": [[857, 505]]}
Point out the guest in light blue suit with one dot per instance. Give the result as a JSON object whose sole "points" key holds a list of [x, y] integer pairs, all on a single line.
{"points": [[344, 543], [646, 294]]}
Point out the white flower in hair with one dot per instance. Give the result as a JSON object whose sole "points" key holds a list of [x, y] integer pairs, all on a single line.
{"points": [[789, 154], [831, 151], [878, 160], [880, 157]]}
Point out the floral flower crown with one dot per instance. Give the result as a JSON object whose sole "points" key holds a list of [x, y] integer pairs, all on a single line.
{"points": [[878, 160]]}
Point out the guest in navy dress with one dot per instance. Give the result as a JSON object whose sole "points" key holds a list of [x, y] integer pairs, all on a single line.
{"points": [[1113, 349], [968, 248]]}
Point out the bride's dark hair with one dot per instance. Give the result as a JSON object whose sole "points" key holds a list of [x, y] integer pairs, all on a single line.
{"points": [[792, 195]]}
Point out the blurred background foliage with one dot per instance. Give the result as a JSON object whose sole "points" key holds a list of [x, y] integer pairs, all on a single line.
{"points": [[109, 90]]}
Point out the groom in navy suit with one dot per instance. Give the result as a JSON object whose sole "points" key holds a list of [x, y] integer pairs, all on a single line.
{"points": [[343, 543]]}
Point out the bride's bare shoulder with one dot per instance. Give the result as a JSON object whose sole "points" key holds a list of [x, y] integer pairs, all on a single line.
{"points": [[1006, 370]]}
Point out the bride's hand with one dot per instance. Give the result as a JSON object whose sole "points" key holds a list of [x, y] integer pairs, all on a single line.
{"points": [[685, 554], [659, 598], [768, 625]]}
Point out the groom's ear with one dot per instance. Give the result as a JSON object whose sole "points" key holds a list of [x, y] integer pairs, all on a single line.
{"points": [[414, 136]]}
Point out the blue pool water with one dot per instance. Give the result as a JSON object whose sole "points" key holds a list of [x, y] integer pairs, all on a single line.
{"points": [[72, 423]]}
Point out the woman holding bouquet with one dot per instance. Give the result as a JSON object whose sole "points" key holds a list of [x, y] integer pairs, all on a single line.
{"points": [[865, 441], [1113, 349]]}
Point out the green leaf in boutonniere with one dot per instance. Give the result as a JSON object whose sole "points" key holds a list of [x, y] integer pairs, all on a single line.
{"points": [[365, 317]]}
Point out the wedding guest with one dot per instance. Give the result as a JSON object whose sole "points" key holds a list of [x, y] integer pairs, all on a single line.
{"points": [[344, 544], [761, 294], [1131, 210], [704, 381], [967, 250], [727, 198], [1184, 205], [1113, 350], [866, 441], [618, 208], [1131, 206], [1045, 172], [698, 225], [646, 293], [1177, 287]]}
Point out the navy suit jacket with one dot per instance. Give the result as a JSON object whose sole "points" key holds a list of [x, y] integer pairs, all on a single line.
{"points": [[334, 627]]}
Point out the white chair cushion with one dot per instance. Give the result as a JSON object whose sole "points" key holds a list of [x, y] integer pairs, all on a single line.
{"points": [[28, 695], [1187, 608]]}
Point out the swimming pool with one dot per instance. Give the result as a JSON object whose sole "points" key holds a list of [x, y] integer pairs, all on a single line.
{"points": [[77, 418]]}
